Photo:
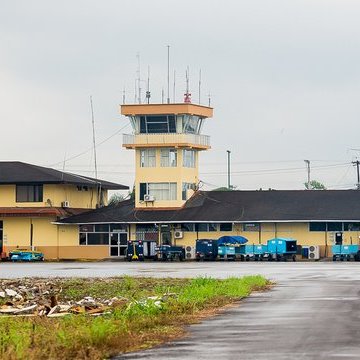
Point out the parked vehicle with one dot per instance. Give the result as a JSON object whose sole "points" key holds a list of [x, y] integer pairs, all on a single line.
{"points": [[25, 255], [281, 249], [229, 247], [253, 252], [206, 249], [345, 252], [168, 252], [135, 251]]}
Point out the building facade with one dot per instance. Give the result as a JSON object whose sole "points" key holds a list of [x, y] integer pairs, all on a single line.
{"points": [[169, 208], [32, 198]]}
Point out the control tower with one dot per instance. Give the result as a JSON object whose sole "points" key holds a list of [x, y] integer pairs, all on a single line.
{"points": [[167, 140]]}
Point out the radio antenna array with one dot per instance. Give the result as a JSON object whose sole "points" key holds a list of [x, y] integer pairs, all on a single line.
{"points": [[148, 94], [200, 87], [187, 95], [168, 74], [138, 78]]}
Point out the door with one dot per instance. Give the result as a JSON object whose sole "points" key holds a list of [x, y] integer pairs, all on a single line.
{"points": [[118, 243], [165, 235], [338, 238]]}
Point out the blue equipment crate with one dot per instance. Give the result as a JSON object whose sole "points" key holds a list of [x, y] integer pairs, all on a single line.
{"points": [[253, 249], [344, 249], [284, 246]]}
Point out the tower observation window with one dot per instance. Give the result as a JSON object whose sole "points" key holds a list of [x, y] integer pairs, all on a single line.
{"points": [[157, 124]]}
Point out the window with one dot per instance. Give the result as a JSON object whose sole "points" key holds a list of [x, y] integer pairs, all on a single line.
{"points": [[334, 226], [147, 232], [99, 234], [168, 158], [118, 227], [82, 239], [191, 124], [188, 158], [147, 158], [226, 227], [206, 227], [157, 124], [251, 227], [317, 226], [185, 188], [98, 238], [351, 226], [160, 191], [187, 227], [102, 228], [29, 193], [82, 188], [86, 228]]}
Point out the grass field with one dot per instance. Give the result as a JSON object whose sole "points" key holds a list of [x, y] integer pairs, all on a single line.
{"points": [[136, 323]]}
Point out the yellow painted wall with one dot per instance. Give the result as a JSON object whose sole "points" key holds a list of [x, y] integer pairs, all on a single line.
{"points": [[17, 232], [178, 174], [56, 193], [297, 231], [62, 242]]}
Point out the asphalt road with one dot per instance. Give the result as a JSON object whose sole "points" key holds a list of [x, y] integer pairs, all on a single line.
{"points": [[312, 313]]}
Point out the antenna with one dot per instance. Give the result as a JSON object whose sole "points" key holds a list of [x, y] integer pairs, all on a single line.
{"points": [[94, 144], [162, 95], [168, 74], [199, 86], [148, 95], [307, 162], [187, 95], [138, 78], [174, 87], [135, 99], [62, 175], [123, 97], [209, 98]]}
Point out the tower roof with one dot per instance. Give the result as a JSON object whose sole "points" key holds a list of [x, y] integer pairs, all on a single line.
{"points": [[163, 109]]}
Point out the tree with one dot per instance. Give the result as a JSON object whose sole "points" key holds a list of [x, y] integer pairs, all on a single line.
{"points": [[315, 185], [116, 198]]}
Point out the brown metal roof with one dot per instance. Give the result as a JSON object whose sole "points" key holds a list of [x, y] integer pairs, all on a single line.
{"points": [[16, 172], [239, 206]]}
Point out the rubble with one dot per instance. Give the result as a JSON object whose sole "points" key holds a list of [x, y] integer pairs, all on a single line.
{"points": [[38, 297]]}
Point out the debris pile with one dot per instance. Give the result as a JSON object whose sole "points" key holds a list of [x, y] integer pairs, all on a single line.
{"points": [[37, 297]]}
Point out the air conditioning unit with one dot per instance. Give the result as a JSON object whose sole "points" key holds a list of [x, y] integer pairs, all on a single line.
{"points": [[149, 198], [65, 204], [314, 252], [178, 234], [189, 252]]}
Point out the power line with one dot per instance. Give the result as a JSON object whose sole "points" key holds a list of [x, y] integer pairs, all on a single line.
{"points": [[91, 148]]}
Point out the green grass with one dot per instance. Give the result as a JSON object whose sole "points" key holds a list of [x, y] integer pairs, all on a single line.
{"points": [[127, 328]]}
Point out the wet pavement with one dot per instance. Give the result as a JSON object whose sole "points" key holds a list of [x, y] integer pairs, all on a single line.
{"points": [[312, 313]]}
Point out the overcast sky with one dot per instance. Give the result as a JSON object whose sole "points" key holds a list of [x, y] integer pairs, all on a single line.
{"points": [[283, 77]]}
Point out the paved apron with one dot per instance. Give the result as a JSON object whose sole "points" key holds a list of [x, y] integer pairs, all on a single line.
{"points": [[312, 313]]}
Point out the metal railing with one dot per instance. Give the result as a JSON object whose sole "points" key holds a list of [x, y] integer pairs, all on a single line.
{"points": [[172, 138]]}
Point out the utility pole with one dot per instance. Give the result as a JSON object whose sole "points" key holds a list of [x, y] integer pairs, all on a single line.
{"points": [[307, 162], [357, 163], [228, 169]]}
